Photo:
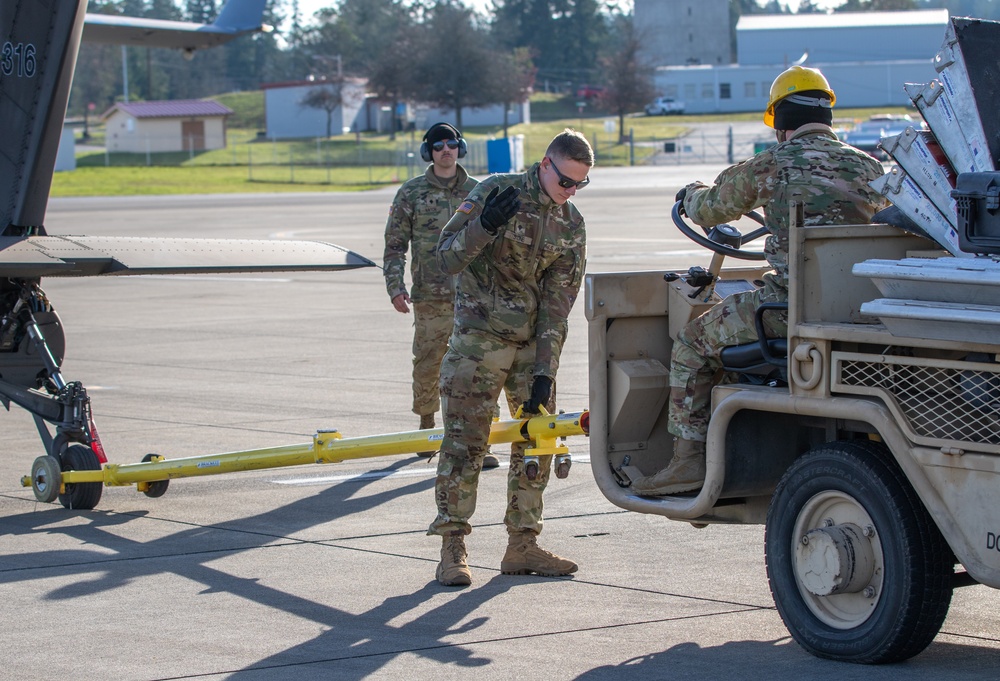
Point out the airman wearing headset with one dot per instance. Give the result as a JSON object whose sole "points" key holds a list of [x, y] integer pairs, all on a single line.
{"points": [[421, 208]]}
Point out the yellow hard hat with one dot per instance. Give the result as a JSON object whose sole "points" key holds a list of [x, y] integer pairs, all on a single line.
{"points": [[792, 80]]}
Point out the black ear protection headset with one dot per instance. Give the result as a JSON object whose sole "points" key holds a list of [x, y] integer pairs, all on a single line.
{"points": [[425, 149]]}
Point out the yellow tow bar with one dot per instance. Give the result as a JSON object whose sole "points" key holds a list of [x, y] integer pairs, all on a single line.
{"points": [[327, 446]]}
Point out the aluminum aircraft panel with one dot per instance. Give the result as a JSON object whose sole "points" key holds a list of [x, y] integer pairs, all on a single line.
{"points": [[82, 256]]}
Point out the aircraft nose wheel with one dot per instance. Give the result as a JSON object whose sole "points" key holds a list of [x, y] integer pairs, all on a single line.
{"points": [[81, 496], [46, 478]]}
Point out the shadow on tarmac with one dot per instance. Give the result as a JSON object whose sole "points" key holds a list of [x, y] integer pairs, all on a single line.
{"points": [[365, 640], [784, 659]]}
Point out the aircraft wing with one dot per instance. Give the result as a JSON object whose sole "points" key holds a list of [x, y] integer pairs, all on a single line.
{"points": [[237, 18], [83, 256]]}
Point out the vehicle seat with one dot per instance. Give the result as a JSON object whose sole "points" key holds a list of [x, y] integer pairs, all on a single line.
{"points": [[764, 361]]}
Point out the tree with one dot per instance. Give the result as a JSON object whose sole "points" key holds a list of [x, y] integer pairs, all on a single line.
{"points": [[809, 7], [876, 5], [358, 30], [103, 68], [462, 75], [329, 98], [391, 76], [201, 11], [512, 79], [564, 36], [627, 76]]}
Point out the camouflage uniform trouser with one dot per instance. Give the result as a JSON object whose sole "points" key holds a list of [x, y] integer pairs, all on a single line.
{"points": [[695, 357], [432, 321], [475, 369]]}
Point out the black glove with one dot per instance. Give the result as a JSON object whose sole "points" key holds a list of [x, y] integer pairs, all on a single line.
{"points": [[541, 390], [680, 197], [499, 209]]}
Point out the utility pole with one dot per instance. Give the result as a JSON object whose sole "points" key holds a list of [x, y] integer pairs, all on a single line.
{"points": [[125, 72]]}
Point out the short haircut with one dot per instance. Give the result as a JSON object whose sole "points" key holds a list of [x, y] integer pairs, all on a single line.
{"points": [[572, 146]]}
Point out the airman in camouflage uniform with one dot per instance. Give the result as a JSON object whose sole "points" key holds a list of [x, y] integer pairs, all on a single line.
{"points": [[421, 208], [519, 267], [809, 165]]}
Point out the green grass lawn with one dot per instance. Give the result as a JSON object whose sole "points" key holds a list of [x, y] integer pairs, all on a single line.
{"points": [[159, 180]]}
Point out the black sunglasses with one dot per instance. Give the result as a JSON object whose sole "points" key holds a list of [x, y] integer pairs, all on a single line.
{"points": [[568, 182], [439, 145]]}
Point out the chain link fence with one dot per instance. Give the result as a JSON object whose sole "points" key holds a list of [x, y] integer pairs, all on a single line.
{"points": [[363, 161]]}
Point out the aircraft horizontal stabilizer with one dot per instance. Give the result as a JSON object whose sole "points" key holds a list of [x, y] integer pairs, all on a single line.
{"points": [[87, 256], [238, 17]]}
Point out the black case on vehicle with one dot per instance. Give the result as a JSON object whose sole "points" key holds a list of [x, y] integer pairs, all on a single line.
{"points": [[977, 196]]}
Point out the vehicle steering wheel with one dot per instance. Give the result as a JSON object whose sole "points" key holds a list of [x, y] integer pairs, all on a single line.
{"points": [[728, 232]]}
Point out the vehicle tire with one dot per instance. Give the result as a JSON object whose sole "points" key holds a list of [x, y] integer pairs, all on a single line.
{"points": [[81, 496], [884, 594]]}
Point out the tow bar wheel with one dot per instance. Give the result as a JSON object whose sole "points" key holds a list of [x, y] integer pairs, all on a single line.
{"points": [[46, 477], [858, 570]]}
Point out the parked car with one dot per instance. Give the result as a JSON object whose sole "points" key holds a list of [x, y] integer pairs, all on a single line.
{"points": [[589, 92], [867, 135], [663, 106]]}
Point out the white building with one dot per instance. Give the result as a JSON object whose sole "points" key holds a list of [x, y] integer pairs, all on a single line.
{"points": [[866, 56], [179, 125], [684, 32], [287, 117]]}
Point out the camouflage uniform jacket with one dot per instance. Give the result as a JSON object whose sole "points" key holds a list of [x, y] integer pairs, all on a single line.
{"points": [[421, 208], [813, 167], [521, 284]]}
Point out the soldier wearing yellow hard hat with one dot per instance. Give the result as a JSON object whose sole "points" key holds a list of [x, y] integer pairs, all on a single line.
{"points": [[808, 165], [802, 87]]}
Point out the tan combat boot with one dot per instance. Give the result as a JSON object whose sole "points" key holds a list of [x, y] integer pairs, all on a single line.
{"points": [[426, 423], [685, 473], [525, 556], [453, 570]]}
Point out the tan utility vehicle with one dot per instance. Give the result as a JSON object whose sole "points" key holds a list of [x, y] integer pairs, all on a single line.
{"points": [[871, 453]]}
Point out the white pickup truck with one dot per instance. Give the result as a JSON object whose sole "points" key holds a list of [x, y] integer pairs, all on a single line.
{"points": [[664, 106]]}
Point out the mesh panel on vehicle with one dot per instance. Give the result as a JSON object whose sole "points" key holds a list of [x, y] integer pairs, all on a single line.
{"points": [[945, 401]]}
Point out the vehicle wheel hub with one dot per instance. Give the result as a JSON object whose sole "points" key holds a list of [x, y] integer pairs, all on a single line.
{"points": [[835, 559]]}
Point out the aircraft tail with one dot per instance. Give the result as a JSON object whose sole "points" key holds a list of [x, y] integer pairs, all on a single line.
{"points": [[241, 15], [39, 43]]}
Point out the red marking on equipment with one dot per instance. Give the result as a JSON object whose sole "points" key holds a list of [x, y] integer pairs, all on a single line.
{"points": [[95, 443]]}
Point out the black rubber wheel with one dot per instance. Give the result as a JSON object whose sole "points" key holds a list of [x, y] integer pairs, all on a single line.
{"points": [[81, 496], [46, 477], [896, 571], [157, 488]]}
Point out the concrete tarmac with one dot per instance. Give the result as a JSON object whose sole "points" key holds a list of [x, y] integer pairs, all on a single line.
{"points": [[326, 572]]}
